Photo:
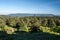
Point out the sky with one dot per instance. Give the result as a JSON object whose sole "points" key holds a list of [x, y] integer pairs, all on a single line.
{"points": [[30, 6]]}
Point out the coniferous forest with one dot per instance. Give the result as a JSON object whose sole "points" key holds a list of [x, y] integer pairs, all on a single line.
{"points": [[29, 28]]}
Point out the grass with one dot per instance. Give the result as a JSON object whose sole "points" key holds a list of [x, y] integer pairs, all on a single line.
{"points": [[29, 36]]}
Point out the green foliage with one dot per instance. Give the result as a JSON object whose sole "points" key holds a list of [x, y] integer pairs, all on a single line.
{"points": [[9, 30], [2, 23], [11, 21], [51, 23], [57, 29], [25, 28], [45, 24]]}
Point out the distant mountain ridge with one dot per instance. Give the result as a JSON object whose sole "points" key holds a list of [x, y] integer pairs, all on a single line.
{"points": [[22, 14]]}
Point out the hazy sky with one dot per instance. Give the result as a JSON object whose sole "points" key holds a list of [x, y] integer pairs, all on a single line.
{"points": [[30, 6]]}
